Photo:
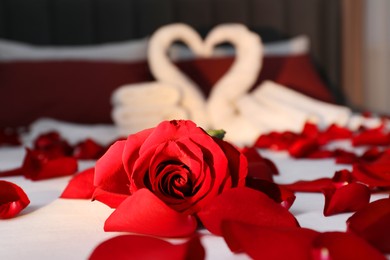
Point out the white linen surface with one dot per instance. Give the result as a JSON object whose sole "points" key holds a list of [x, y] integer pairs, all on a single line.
{"points": [[52, 228]]}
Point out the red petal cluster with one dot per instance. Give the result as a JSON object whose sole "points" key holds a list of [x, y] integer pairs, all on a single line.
{"points": [[51, 156], [12, 199]]}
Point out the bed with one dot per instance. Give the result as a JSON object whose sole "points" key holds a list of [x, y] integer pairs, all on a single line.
{"points": [[53, 62]]}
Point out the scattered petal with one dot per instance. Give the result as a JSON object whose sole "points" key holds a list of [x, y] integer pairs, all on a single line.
{"points": [[144, 247], [316, 185], [340, 246], [347, 198], [373, 224], [12, 199], [111, 199], [303, 147], [37, 166], [80, 186], [264, 242], [88, 150], [144, 213], [374, 174], [110, 174], [52, 145], [245, 205], [374, 136]]}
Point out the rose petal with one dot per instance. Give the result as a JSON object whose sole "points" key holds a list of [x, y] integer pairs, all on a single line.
{"points": [[244, 205], [37, 166], [88, 149], [80, 186], [55, 168], [52, 145], [340, 246], [376, 136], [237, 162], [303, 147], [253, 156], [12, 199], [110, 174], [264, 242], [334, 132], [374, 174], [347, 198], [277, 141], [144, 213], [144, 247], [373, 224], [111, 199], [316, 185]]}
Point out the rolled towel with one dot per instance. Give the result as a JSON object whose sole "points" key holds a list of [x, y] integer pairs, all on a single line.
{"points": [[326, 113], [271, 116], [147, 93]]}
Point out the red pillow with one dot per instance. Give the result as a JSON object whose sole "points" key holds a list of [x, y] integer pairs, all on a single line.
{"points": [[75, 91], [79, 91], [296, 72]]}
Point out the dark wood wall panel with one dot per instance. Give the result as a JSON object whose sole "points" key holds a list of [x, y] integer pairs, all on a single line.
{"points": [[27, 20], [115, 20]]}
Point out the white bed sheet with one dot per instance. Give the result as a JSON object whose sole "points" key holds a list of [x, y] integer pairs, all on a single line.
{"points": [[53, 228]]}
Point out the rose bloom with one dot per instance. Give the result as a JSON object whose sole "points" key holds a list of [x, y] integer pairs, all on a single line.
{"points": [[177, 161]]}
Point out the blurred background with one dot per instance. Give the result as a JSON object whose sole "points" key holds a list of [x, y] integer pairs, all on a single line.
{"points": [[349, 45]]}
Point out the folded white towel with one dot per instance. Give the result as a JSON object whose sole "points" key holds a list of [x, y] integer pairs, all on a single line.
{"points": [[325, 113], [146, 94], [270, 116]]}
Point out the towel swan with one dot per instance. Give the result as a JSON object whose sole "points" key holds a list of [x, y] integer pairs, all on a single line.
{"points": [[172, 96], [222, 102], [245, 115]]}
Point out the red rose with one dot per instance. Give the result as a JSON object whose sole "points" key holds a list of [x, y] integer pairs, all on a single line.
{"points": [[177, 161]]}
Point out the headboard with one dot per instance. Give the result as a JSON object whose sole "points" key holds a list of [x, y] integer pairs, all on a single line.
{"points": [[82, 22]]}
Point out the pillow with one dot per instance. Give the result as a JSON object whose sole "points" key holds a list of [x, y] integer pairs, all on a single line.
{"points": [[74, 91], [80, 91], [118, 51], [294, 46]]}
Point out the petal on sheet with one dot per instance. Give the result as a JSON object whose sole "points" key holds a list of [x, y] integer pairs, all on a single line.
{"points": [[347, 198], [254, 156], [373, 224], [303, 147], [111, 199], [88, 150], [144, 213], [316, 185], [375, 136], [374, 175], [12, 199], [110, 174], [52, 168], [244, 205], [145, 247], [341, 246], [264, 242], [80, 186]]}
